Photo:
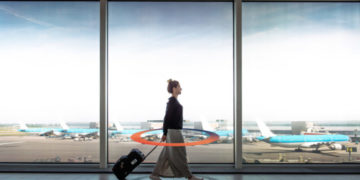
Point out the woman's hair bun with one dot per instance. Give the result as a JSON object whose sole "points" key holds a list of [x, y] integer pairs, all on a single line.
{"points": [[172, 84]]}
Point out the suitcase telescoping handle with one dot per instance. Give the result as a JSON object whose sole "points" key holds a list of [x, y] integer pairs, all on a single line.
{"points": [[152, 150]]}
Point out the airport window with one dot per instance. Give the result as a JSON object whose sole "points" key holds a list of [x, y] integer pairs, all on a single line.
{"points": [[299, 66], [151, 42], [49, 74], [300, 90]]}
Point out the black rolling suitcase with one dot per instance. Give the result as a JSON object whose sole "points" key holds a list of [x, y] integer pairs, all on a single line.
{"points": [[127, 163]]}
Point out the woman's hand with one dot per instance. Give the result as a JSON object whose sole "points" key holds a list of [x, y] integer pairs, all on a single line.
{"points": [[163, 138]]}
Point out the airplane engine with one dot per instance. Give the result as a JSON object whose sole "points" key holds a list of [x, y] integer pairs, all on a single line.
{"points": [[48, 133], [335, 146], [308, 145], [249, 139]]}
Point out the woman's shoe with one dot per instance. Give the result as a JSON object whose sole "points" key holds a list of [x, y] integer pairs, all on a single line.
{"points": [[152, 177], [195, 178]]}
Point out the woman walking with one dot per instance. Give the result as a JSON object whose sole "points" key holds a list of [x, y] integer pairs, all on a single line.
{"points": [[172, 161]]}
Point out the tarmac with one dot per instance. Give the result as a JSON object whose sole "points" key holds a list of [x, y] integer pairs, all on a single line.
{"points": [[39, 149], [55, 150], [261, 152]]}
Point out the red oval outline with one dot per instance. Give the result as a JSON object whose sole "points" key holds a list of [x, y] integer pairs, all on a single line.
{"points": [[137, 137]]}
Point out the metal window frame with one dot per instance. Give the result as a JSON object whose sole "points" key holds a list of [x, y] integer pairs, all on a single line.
{"points": [[290, 1], [237, 73], [104, 153]]}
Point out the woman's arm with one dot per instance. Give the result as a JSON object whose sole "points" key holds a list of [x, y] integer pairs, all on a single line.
{"points": [[169, 116]]}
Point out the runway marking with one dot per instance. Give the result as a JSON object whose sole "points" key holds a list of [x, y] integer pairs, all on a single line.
{"points": [[11, 143]]}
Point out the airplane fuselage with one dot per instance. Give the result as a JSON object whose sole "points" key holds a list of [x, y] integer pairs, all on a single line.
{"points": [[307, 141]]}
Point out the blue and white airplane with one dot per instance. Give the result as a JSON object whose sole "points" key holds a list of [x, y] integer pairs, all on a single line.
{"points": [[120, 130], [66, 131], [40, 131], [79, 132], [63, 131], [83, 132], [333, 141], [156, 134], [226, 135]]}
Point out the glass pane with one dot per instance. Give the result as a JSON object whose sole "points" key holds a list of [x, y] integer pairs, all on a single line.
{"points": [[49, 74], [301, 96], [151, 42]]}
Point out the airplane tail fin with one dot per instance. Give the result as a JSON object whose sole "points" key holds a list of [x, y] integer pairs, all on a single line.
{"points": [[265, 131], [64, 125], [205, 125], [244, 132], [118, 126], [23, 125]]}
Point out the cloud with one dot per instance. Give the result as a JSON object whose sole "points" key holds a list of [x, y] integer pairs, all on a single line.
{"points": [[262, 17], [29, 19]]}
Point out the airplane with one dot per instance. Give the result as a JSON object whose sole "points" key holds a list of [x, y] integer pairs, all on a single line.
{"points": [[332, 141], [77, 133], [94, 132], [73, 133], [66, 132], [40, 131], [120, 130], [224, 135], [228, 135], [152, 135], [87, 133]]}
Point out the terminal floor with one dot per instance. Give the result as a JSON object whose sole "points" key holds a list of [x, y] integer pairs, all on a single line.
{"points": [[80, 176]]}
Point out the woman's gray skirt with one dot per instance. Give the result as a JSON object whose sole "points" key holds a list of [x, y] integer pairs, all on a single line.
{"points": [[172, 161]]}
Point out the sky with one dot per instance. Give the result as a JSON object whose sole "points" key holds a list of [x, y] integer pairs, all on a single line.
{"points": [[300, 61], [153, 42], [49, 60]]}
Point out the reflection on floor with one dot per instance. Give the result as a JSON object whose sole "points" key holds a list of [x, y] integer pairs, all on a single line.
{"points": [[79, 176]]}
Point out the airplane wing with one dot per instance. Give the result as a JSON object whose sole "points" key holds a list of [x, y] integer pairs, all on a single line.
{"points": [[313, 144], [47, 133], [91, 134]]}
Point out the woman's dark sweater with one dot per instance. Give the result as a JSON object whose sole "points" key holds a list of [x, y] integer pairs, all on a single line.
{"points": [[174, 115]]}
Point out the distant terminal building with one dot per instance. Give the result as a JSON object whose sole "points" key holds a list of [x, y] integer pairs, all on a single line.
{"points": [[158, 124], [93, 125], [151, 124], [221, 124], [301, 127]]}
